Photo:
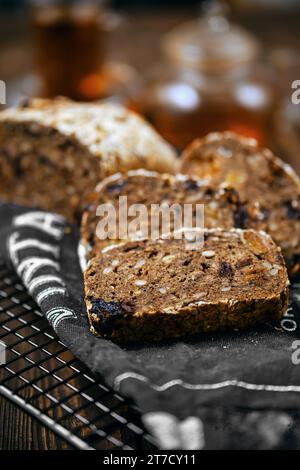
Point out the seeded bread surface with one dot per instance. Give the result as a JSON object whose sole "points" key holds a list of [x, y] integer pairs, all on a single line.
{"points": [[151, 290], [54, 152], [222, 206], [269, 188]]}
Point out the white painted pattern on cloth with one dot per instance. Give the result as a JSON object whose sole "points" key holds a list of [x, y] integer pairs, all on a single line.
{"points": [[50, 292], [192, 433], [44, 279], [32, 265], [171, 433], [51, 224], [32, 243], [82, 251], [164, 427], [56, 315], [15, 246], [213, 386]]}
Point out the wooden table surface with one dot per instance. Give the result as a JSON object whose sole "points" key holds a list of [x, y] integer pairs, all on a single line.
{"points": [[17, 429]]}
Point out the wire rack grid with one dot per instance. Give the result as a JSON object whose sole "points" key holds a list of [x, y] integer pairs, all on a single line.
{"points": [[42, 377]]}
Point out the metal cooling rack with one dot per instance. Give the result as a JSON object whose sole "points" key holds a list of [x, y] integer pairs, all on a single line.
{"points": [[43, 378]]}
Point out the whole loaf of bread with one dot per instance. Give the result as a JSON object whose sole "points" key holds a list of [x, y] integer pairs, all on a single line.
{"points": [[54, 152]]}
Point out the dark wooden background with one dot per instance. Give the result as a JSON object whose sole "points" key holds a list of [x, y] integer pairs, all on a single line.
{"points": [[137, 42]]}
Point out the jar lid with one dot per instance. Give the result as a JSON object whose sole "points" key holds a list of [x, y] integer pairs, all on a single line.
{"points": [[212, 43]]}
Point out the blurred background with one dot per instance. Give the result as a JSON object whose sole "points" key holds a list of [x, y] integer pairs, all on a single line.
{"points": [[189, 67]]}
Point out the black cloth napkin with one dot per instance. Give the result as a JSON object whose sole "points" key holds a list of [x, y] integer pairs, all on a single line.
{"points": [[207, 391]]}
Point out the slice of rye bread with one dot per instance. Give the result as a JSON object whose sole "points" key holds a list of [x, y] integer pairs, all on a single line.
{"points": [[222, 207], [269, 188], [54, 152], [150, 290]]}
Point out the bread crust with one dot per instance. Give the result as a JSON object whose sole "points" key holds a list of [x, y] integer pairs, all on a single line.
{"points": [[69, 147], [268, 187], [152, 290], [222, 206]]}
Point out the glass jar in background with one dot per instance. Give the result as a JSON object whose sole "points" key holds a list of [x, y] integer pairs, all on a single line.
{"points": [[70, 41], [286, 62], [69, 44], [212, 80]]}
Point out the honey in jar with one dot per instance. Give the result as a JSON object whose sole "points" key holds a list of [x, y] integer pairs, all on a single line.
{"points": [[211, 80], [70, 42]]}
